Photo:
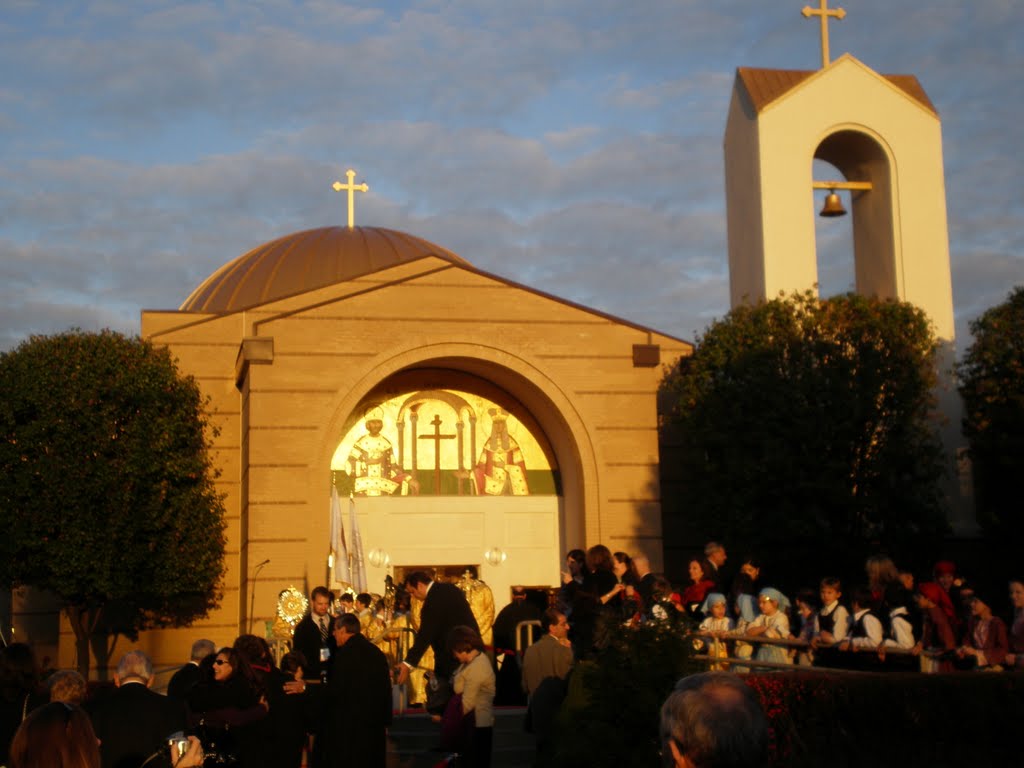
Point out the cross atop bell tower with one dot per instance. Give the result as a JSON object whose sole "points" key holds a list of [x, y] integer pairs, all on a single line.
{"points": [[824, 12]]}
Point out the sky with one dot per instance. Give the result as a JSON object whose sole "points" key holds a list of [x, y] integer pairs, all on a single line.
{"points": [[573, 146]]}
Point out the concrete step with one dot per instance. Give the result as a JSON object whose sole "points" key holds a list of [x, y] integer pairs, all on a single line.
{"points": [[413, 739]]}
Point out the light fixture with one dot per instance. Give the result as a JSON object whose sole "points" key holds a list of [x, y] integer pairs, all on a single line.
{"points": [[379, 558], [495, 556]]}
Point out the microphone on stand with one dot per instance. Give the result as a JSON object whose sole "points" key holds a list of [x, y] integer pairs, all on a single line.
{"points": [[252, 600]]}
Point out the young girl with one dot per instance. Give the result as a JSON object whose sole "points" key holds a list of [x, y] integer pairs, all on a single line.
{"points": [[773, 623], [717, 623], [475, 681], [986, 641]]}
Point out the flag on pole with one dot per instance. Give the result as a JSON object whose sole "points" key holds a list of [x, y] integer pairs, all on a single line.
{"points": [[339, 551], [358, 572]]}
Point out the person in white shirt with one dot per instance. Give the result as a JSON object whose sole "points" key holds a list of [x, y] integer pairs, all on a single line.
{"points": [[866, 629]]}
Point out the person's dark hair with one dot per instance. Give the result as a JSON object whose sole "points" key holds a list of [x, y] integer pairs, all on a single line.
{"points": [[551, 618], [19, 675], [463, 639], [715, 720], [742, 584], [364, 598], [321, 592], [255, 650], [239, 665], [417, 577], [700, 564], [808, 597], [862, 597], [752, 560], [56, 735], [349, 622], [625, 559], [599, 558], [577, 555], [292, 662], [832, 583], [896, 596]]}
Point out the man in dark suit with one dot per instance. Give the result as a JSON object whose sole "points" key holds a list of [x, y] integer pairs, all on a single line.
{"points": [[714, 559], [186, 677], [444, 607], [357, 702], [313, 636], [133, 722]]}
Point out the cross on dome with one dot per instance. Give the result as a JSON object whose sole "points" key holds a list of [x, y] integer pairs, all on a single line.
{"points": [[351, 188]]}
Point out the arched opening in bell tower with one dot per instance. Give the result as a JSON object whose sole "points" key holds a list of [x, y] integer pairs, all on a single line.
{"points": [[865, 188]]}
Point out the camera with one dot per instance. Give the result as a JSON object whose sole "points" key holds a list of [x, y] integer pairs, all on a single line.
{"points": [[178, 744]]}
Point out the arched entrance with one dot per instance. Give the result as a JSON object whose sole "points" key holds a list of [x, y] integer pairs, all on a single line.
{"points": [[459, 460]]}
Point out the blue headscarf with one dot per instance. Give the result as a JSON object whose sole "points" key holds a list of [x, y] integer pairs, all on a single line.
{"points": [[713, 598], [775, 596]]}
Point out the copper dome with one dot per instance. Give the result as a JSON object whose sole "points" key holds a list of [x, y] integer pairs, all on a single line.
{"points": [[303, 261]]}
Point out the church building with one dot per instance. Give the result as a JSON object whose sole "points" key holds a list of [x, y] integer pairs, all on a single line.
{"points": [[468, 420]]}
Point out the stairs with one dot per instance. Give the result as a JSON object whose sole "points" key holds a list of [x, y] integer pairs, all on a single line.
{"points": [[413, 737]]}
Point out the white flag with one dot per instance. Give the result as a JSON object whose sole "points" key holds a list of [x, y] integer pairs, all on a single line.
{"points": [[358, 572], [338, 548]]}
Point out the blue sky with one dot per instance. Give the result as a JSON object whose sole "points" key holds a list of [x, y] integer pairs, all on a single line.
{"points": [[574, 146]]}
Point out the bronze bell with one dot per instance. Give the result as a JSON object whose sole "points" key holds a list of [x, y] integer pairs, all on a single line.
{"points": [[833, 206]]}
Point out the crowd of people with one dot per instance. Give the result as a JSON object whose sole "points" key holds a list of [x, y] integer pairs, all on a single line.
{"points": [[889, 620], [239, 707]]}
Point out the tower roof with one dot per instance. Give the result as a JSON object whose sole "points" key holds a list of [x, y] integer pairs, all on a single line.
{"points": [[303, 261], [764, 86]]}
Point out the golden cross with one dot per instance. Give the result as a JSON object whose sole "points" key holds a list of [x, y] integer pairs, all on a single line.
{"points": [[352, 189], [824, 12]]}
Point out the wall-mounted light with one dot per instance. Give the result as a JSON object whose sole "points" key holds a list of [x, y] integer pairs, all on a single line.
{"points": [[495, 556], [379, 558]]}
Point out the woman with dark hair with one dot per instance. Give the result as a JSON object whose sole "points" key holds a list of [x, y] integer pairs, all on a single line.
{"points": [[627, 602], [228, 703], [698, 588], [20, 691], [294, 714], [985, 642], [599, 587], [474, 682], [56, 735]]}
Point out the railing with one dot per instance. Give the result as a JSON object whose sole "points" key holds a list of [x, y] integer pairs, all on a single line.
{"points": [[928, 657]]}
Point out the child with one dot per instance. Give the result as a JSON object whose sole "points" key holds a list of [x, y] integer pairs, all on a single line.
{"points": [[717, 623], [865, 631], [832, 623], [772, 623], [902, 630], [807, 609], [986, 642]]}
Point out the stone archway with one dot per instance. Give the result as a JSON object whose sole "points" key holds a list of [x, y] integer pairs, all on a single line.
{"points": [[532, 531]]}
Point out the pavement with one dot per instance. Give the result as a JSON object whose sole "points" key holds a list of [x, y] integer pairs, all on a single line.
{"points": [[413, 738]]}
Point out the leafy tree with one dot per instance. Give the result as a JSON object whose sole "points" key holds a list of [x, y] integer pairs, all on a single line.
{"points": [[992, 387], [802, 428], [106, 486]]}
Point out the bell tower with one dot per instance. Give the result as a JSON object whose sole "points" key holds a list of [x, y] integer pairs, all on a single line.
{"points": [[883, 135]]}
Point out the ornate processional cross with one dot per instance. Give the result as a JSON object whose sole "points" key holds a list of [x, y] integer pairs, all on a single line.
{"points": [[824, 12], [437, 437], [352, 188]]}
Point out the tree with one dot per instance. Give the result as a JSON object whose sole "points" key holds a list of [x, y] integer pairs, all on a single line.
{"points": [[803, 430], [106, 486], [992, 388]]}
